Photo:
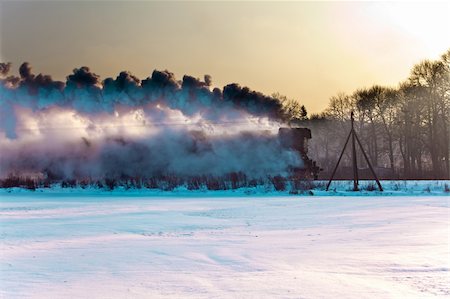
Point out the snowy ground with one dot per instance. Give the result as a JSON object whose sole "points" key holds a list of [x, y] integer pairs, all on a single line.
{"points": [[77, 245]]}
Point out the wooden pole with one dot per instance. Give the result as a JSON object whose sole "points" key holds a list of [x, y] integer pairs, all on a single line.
{"points": [[355, 163], [337, 164], [370, 165]]}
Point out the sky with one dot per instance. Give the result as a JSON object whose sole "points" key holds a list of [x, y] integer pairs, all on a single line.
{"points": [[308, 51]]}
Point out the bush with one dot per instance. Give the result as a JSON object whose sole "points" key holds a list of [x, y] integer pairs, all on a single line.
{"points": [[194, 183], [110, 183], [215, 183], [69, 183], [11, 182], [395, 186], [237, 180], [16, 181], [279, 183], [371, 187], [151, 183], [30, 184], [169, 182]]}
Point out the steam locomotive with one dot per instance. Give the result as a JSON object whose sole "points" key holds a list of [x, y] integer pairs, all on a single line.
{"points": [[297, 139]]}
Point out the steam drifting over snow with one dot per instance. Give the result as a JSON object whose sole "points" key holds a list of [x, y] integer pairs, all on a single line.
{"points": [[125, 127]]}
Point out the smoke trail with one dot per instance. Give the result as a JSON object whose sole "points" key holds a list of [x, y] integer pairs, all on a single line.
{"points": [[125, 127]]}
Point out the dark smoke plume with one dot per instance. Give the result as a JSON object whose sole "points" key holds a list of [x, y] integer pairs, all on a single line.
{"points": [[125, 127], [162, 87], [5, 68]]}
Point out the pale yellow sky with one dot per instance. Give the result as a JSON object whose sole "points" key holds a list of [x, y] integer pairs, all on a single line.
{"points": [[308, 51]]}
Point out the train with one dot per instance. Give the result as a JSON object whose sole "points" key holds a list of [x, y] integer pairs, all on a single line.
{"points": [[297, 140]]}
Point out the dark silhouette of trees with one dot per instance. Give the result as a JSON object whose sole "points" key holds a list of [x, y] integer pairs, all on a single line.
{"points": [[404, 130]]}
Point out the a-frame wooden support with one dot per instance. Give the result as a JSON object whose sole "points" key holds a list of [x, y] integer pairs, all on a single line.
{"points": [[354, 137]]}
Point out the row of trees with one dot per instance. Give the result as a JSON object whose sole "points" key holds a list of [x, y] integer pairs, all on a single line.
{"points": [[404, 130]]}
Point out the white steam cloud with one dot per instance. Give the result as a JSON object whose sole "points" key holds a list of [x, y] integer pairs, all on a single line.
{"points": [[124, 127]]}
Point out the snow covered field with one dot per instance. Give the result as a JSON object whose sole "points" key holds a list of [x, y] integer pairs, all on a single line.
{"points": [[119, 245]]}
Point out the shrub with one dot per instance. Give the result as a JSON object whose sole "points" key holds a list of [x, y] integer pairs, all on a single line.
{"points": [[30, 184], [279, 183], [110, 183], [215, 184], [151, 183], [169, 182], [194, 183], [252, 183], [10, 182], [16, 181], [69, 183], [395, 186], [370, 187], [100, 184]]}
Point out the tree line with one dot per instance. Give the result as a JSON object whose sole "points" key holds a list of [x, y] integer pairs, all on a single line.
{"points": [[404, 130]]}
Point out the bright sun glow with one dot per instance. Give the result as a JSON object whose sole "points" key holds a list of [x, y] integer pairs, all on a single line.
{"points": [[418, 22]]}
